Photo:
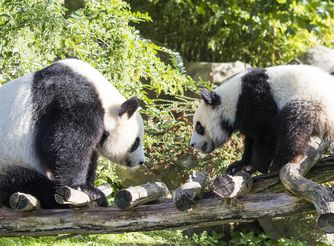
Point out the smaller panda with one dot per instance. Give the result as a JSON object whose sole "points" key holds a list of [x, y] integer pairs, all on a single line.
{"points": [[53, 125], [278, 109]]}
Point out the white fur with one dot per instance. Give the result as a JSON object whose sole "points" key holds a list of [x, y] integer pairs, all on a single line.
{"points": [[16, 126], [289, 82], [122, 131], [210, 118]]}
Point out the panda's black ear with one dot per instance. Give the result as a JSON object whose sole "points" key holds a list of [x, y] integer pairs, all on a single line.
{"points": [[210, 97], [129, 107]]}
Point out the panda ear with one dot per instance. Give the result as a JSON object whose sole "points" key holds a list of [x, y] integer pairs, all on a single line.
{"points": [[210, 97], [129, 107]]}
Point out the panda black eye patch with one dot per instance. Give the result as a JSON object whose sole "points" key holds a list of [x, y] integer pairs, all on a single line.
{"points": [[135, 145], [199, 128]]}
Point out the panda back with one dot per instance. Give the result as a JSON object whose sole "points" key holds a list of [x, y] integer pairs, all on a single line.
{"points": [[289, 82]]}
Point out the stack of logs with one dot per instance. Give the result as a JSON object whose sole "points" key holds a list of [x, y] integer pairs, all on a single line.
{"points": [[230, 188]]}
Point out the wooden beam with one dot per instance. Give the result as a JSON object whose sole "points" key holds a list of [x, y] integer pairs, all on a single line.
{"points": [[147, 217]]}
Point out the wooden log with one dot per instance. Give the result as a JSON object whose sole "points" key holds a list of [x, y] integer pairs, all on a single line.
{"points": [[292, 176], [321, 172], [23, 202], [141, 194], [184, 196], [68, 195], [147, 217], [227, 186]]}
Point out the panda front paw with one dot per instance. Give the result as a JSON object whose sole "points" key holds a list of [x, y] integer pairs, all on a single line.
{"points": [[238, 166], [95, 195]]}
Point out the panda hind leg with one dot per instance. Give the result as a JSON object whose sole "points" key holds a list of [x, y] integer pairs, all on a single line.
{"points": [[21, 179], [299, 121]]}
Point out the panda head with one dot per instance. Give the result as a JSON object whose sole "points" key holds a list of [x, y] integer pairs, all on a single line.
{"points": [[212, 125], [123, 142]]}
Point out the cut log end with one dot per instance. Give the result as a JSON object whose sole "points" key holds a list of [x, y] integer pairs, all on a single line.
{"points": [[326, 222], [123, 199], [227, 186], [184, 202], [223, 185], [185, 195], [23, 202]]}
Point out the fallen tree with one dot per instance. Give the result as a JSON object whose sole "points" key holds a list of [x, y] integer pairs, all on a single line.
{"points": [[209, 211]]}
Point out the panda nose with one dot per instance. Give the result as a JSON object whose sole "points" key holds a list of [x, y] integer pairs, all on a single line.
{"points": [[141, 163], [192, 144]]}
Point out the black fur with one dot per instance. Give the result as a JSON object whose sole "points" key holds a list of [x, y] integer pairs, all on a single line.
{"points": [[227, 127], [256, 118], [272, 137], [22, 179], [210, 98], [199, 128], [69, 125], [129, 107], [296, 123]]}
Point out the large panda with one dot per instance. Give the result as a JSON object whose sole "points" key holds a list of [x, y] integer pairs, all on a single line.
{"points": [[53, 125], [277, 109]]}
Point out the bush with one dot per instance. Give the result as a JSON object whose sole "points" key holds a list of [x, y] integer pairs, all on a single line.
{"points": [[273, 32], [34, 33]]}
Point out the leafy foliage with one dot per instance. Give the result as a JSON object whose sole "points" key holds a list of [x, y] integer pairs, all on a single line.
{"points": [[272, 32], [34, 33]]}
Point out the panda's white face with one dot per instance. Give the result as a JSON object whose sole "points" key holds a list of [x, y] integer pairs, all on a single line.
{"points": [[212, 125], [123, 143], [207, 132]]}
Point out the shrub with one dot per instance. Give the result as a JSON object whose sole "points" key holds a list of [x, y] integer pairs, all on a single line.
{"points": [[34, 33], [272, 32]]}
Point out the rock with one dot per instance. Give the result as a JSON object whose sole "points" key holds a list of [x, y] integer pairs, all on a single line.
{"points": [[319, 56], [215, 72]]}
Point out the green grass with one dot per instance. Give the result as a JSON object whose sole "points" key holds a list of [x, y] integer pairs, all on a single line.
{"points": [[166, 237], [149, 238]]}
